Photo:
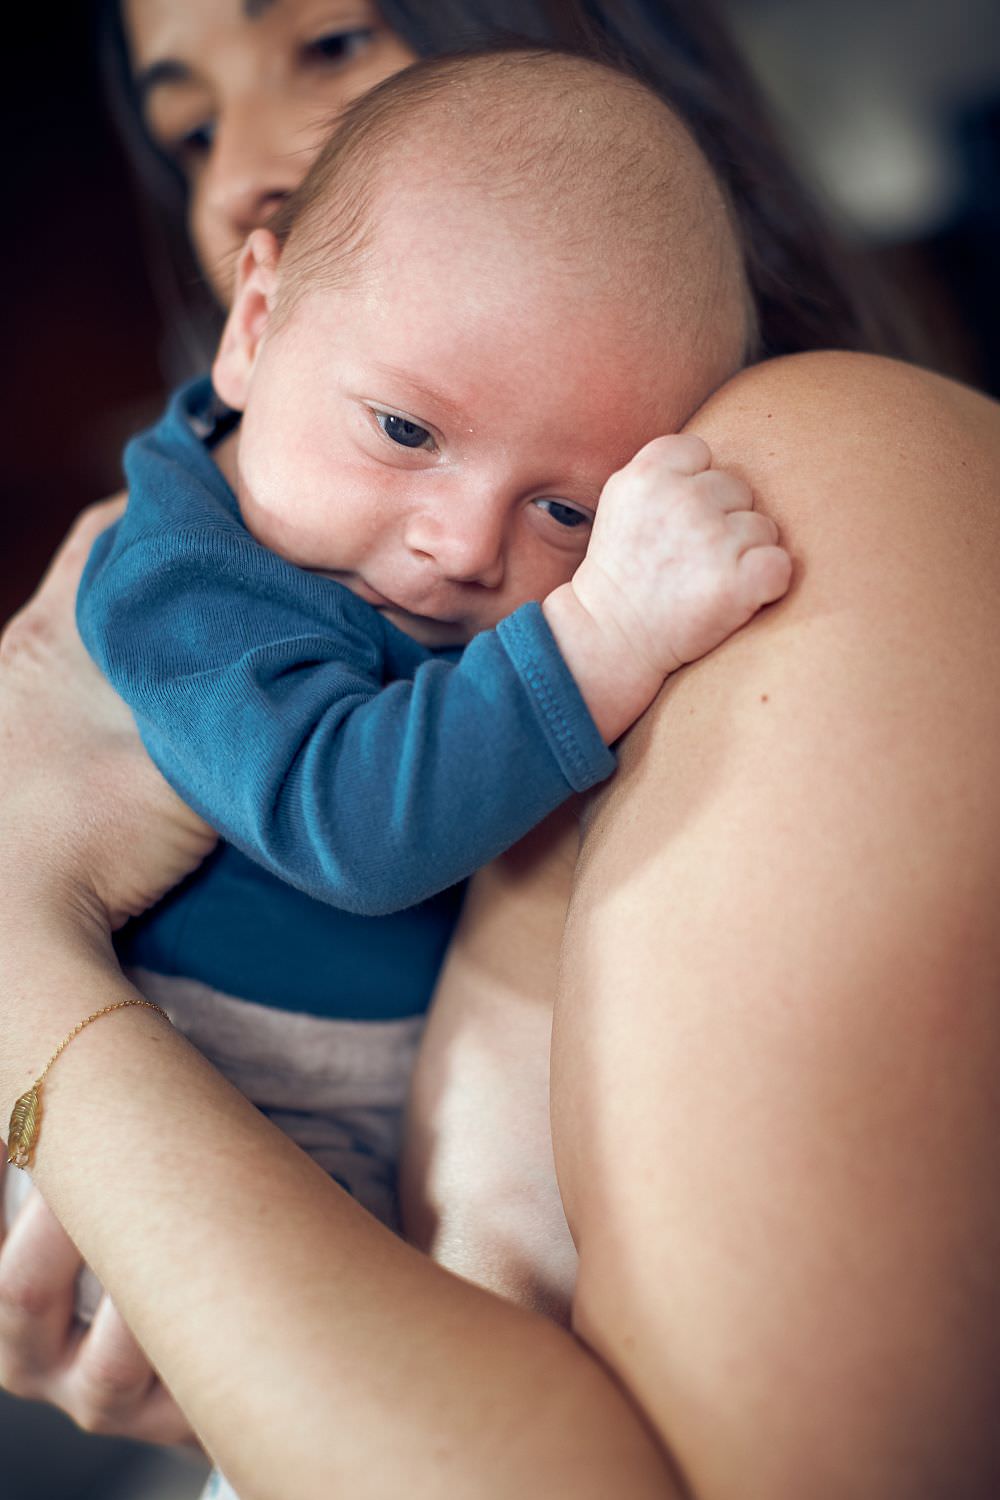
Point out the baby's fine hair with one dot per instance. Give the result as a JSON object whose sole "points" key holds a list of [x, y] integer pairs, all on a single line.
{"points": [[580, 155]]}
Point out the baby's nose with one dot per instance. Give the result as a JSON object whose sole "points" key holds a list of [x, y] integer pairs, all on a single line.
{"points": [[466, 545]]}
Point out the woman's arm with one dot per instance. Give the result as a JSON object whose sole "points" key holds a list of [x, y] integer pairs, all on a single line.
{"points": [[50, 689], [98, 1375], [313, 1351], [776, 1062]]}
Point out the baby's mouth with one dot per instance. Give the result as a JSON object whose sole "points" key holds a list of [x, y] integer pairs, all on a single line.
{"points": [[437, 629], [378, 600]]}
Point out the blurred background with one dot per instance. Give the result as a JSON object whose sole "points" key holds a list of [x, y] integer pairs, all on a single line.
{"points": [[891, 109]]}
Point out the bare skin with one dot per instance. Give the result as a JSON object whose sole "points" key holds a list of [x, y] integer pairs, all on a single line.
{"points": [[242, 95], [780, 987], [99, 1376], [213, 1125], [774, 1065], [657, 1045], [478, 1180]]}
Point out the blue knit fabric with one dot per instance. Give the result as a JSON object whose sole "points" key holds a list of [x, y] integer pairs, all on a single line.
{"points": [[348, 760]]}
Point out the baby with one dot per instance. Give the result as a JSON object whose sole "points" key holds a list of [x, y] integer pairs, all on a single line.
{"points": [[383, 624]]}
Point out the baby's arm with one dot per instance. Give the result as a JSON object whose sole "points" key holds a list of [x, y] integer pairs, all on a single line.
{"points": [[678, 561], [262, 692], [272, 716]]}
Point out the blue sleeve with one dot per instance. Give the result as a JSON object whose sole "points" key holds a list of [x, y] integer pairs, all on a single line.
{"points": [[266, 709]]}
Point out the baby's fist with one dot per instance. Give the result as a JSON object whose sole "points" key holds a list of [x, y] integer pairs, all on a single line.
{"points": [[679, 559]]}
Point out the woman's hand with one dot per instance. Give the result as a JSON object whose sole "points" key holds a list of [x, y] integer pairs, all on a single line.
{"points": [[76, 781], [98, 1375]]}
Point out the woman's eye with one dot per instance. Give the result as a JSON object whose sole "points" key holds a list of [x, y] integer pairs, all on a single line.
{"points": [[340, 46], [564, 515], [407, 434], [193, 144]]}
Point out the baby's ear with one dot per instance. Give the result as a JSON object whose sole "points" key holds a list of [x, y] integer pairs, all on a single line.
{"points": [[253, 304]]}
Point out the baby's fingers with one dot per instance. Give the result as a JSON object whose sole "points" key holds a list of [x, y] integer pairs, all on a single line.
{"points": [[722, 491], [764, 573], [749, 528], [680, 452]]}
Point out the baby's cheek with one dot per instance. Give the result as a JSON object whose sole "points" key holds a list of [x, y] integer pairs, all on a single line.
{"points": [[289, 525]]}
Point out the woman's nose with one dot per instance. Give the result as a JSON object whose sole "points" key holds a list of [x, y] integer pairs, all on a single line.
{"points": [[254, 165], [466, 543], [255, 162]]}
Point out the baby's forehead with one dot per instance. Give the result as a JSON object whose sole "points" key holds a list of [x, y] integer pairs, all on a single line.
{"points": [[464, 338], [651, 268], [531, 166]]}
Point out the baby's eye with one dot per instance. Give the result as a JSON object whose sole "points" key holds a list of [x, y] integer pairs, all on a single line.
{"points": [[565, 515], [407, 434], [339, 46]]}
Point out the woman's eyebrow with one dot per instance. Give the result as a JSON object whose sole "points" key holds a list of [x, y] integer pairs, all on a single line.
{"points": [[167, 70], [170, 70]]}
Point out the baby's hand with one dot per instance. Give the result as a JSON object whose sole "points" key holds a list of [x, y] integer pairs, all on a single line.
{"points": [[678, 560]]}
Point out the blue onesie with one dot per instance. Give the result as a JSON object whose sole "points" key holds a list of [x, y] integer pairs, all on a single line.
{"points": [[354, 774]]}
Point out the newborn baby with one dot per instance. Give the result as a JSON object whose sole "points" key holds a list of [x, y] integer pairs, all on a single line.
{"points": [[388, 589]]}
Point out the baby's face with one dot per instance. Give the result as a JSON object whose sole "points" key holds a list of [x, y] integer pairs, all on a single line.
{"points": [[437, 439]]}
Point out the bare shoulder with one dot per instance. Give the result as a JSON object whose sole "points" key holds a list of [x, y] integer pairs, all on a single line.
{"points": [[777, 1043], [833, 395], [885, 481], [824, 435]]}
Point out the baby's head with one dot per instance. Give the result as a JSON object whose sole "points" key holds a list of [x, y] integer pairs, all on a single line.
{"points": [[504, 274]]}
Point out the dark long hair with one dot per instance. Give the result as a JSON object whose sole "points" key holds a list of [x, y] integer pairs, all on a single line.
{"points": [[811, 290]]}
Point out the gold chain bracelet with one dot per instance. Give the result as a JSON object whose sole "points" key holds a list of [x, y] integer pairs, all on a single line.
{"points": [[27, 1113]]}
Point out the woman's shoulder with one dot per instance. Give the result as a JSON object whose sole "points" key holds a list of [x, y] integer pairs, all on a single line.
{"points": [[781, 957], [846, 410], [841, 447], [826, 383]]}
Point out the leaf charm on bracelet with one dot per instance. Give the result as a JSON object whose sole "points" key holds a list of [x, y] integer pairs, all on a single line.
{"points": [[23, 1128]]}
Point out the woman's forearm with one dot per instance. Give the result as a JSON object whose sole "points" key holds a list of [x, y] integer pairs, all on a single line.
{"points": [[313, 1351]]}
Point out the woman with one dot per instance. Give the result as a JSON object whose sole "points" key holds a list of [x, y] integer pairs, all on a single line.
{"points": [[770, 1104], [223, 106]]}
